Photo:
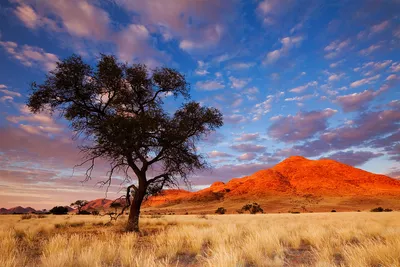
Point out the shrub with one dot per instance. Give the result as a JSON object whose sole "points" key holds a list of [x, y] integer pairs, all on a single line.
{"points": [[95, 212], [220, 210], [156, 216], [60, 225], [387, 210], [253, 208], [77, 224], [378, 209], [333, 210], [26, 216], [59, 210], [84, 212]]}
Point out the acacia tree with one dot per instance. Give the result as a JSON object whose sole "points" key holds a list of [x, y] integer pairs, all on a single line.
{"points": [[118, 110], [79, 204]]}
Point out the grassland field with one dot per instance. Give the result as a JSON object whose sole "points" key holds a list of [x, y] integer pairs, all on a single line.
{"points": [[310, 239]]}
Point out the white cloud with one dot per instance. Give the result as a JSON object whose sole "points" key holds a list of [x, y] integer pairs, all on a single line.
{"points": [[209, 85], [242, 65], [335, 48], [335, 77], [302, 88], [238, 83], [395, 67], [264, 107], [201, 68], [300, 98], [287, 44], [9, 93], [337, 63]]}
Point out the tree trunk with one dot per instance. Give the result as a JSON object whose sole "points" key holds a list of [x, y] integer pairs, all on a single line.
{"points": [[134, 212]]}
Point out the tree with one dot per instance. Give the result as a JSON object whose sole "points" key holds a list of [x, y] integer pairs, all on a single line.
{"points": [[116, 206], [220, 210], [79, 204], [59, 210], [253, 208], [118, 110]]}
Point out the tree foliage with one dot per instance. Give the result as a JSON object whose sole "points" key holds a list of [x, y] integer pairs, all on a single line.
{"points": [[253, 208], [79, 204], [220, 210], [118, 110], [59, 210]]}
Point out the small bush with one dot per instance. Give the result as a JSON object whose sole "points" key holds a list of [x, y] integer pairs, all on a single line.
{"points": [[378, 209], [26, 216], [202, 216], [77, 224], [60, 225], [156, 216], [84, 212], [253, 208], [95, 212], [220, 210], [333, 210], [387, 210], [295, 212]]}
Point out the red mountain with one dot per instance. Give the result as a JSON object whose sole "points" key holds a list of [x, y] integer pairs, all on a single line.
{"points": [[294, 184], [17, 209]]}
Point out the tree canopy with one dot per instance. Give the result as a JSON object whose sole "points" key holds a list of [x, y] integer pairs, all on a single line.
{"points": [[118, 110]]}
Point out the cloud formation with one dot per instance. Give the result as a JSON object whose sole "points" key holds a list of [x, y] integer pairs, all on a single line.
{"points": [[301, 126]]}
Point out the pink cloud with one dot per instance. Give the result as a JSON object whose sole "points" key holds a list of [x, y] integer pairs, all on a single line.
{"points": [[172, 20], [30, 55], [218, 154], [379, 27], [354, 158], [248, 137], [357, 101], [234, 118], [247, 156], [248, 148], [365, 81], [300, 126]]}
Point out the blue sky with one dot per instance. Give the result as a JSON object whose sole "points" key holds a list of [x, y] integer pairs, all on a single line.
{"points": [[312, 78]]}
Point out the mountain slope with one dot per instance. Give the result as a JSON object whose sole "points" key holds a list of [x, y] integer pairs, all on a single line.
{"points": [[295, 183]]}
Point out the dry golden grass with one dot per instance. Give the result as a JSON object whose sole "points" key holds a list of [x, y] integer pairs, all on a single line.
{"points": [[314, 239]]}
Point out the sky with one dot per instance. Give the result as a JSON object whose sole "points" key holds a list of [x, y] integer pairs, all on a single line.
{"points": [[320, 79]]}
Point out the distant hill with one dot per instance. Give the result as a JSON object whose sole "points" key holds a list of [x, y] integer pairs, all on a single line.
{"points": [[17, 210], [296, 183]]}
